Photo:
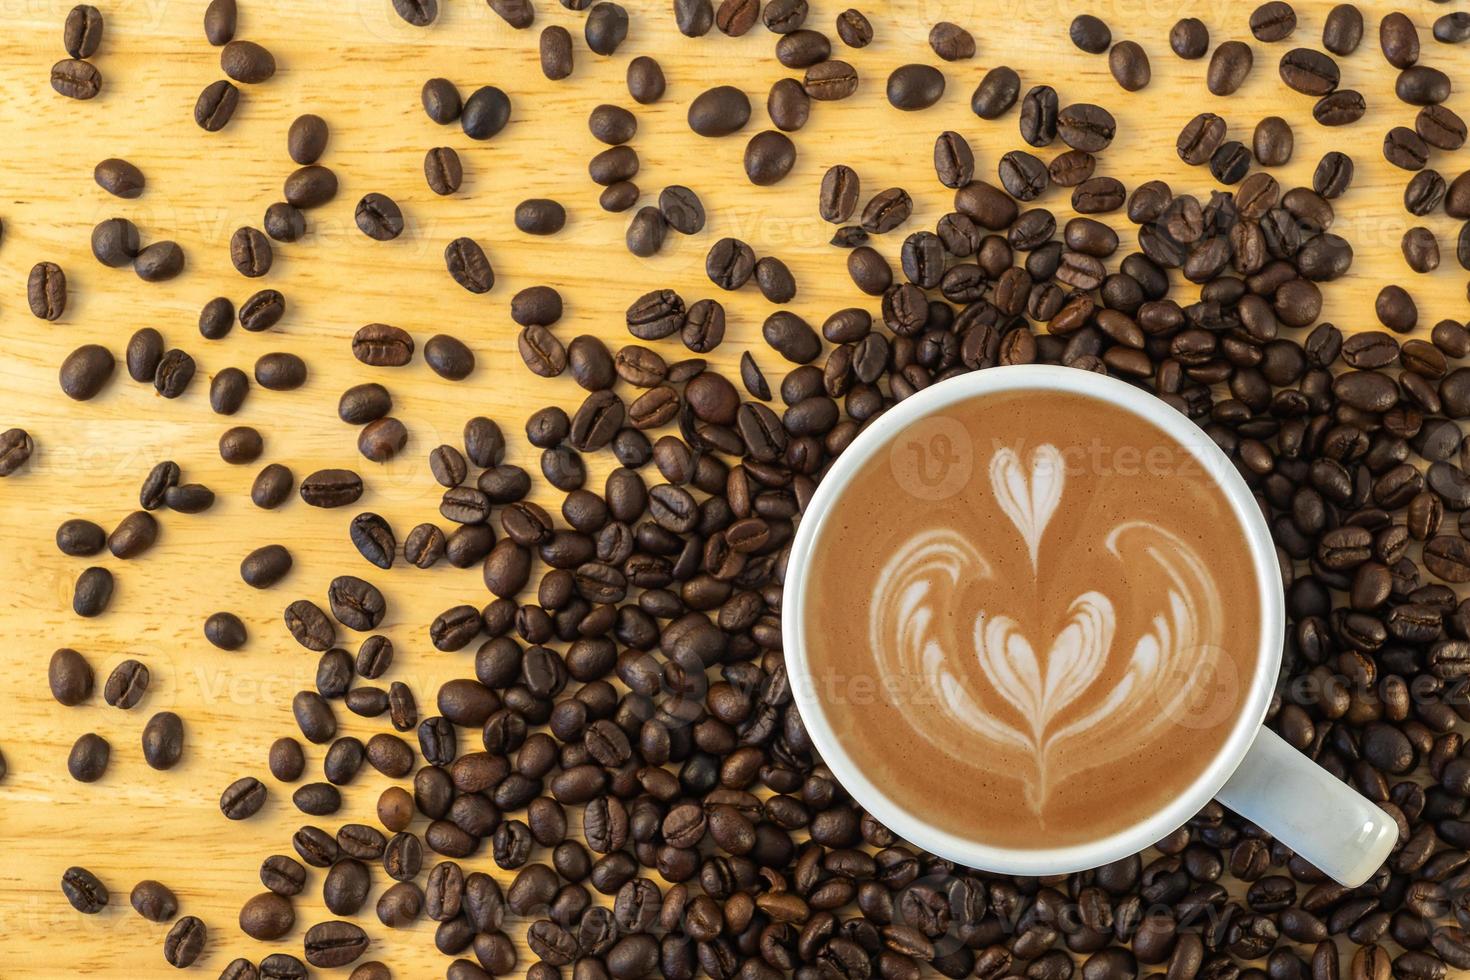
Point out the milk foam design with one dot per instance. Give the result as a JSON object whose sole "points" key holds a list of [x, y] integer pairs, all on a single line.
{"points": [[1030, 712]]}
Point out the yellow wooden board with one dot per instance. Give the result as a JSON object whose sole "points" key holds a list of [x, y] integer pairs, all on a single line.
{"points": [[361, 68]]}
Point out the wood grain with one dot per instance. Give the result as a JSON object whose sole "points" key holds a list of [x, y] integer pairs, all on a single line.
{"points": [[358, 66]]}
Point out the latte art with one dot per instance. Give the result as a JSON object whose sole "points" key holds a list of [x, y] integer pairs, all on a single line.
{"points": [[1046, 630]]}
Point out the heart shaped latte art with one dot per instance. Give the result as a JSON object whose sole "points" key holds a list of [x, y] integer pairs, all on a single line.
{"points": [[913, 627], [1029, 496]]}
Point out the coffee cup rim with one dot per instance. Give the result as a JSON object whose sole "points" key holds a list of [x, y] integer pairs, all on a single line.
{"points": [[1178, 811]]}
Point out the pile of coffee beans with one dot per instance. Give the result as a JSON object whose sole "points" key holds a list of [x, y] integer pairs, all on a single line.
{"points": [[626, 749]]}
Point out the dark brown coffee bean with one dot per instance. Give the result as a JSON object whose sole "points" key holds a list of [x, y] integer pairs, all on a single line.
{"points": [[262, 310], [243, 798], [216, 106], [76, 79], [163, 740], [788, 105], [154, 901], [769, 157], [443, 171], [1399, 40], [719, 111], [247, 62], [310, 186], [912, 87], [830, 81], [1342, 32], [1341, 108], [1090, 34], [46, 291], [996, 93], [250, 252], [540, 216], [1229, 66], [1129, 65], [85, 371], [86, 893], [119, 178], [159, 262], [379, 217], [1189, 38]]}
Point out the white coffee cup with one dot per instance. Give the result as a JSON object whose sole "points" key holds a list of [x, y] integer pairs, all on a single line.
{"points": [[1255, 773]]}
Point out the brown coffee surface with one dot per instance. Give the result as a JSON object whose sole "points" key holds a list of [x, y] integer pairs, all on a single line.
{"points": [[1032, 619]]}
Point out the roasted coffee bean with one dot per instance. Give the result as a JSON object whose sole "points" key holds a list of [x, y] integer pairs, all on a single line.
{"points": [[1189, 38], [280, 371], [556, 52], [1333, 175], [272, 486], [115, 242], [646, 232], [79, 538], [86, 893], [133, 535], [119, 178], [70, 677], [769, 157], [144, 351], [1421, 249], [159, 262], [1039, 116], [219, 23], [216, 105], [468, 266], [267, 916], [540, 216], [331, 488], [485, 113], [1273, 142], [646, 82], [216, 318], [225, 630], [1309, 72], [81, 33], [441, 100], [243, 798], [284, 222], [1440, 127], [88, 758], [262, 310], [1341, 108], [93, 592], [1342, 32], [1404, 148], [839, 194], [1399, 40], [265, 566], [174, 372], [1229, 66], [1090, 34], [379, 217], [1421, 85], [154, 901], [951, 42], [247, 62], [250, 252], [335, 943], [126, 685], [443, 171], [310, 186], [185, 942], [46, 291], [912, 87], [830, 81], [606, 27], [996, 93], [163, 740], [76, 79], [719, 111], [381, 345], [1129, 65]]}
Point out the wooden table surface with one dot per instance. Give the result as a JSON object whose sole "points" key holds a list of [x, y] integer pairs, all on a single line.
{"points": [[357, 65]]}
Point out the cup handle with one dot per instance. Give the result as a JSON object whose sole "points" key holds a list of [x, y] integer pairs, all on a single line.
{"points": [[1286, 794]]}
